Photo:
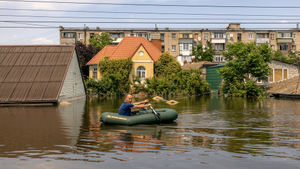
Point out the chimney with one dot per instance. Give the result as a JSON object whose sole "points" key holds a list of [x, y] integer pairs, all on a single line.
{"points": [[156, 43]]}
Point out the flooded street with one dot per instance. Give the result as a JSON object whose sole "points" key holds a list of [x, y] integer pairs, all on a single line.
{"points": [[210, 132]]}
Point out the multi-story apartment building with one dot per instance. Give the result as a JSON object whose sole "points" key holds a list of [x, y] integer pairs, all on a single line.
{"points": [[179, 43]]}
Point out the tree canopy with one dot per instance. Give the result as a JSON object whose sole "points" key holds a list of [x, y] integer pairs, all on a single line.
{"points": [[292, 57], [85, 54], [166, 65], [247, 63], [100, 41], [203, 54]]}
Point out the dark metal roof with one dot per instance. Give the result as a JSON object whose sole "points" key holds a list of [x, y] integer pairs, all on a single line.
{"points": [[33, 73]]}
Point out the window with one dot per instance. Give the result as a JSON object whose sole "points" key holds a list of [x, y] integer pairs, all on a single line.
{"points": [[205, 36], [294, 47], [239, 37], [259, 36], [185, 35], [150, 36], [117, 35], [294, 35], [173, 48], [218, 58], [284, 46], [185, 46], [219, 46], [173, 35], [273, 47], [250, 36], [162, 48], [272, 36], [286, 35], [218, 35], [91, 35], [68, 35], [277, 75], [141, 72], [95, 73], [80, 35], [162, 37], [227, 36]]}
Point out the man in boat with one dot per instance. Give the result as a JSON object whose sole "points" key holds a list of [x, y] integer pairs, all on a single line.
{"points": [[127, 105]]}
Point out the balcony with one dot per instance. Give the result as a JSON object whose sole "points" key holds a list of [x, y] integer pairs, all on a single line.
{"points": [[185, 52], [263, 40], [284, 40], [186, 40], [218, 40]]}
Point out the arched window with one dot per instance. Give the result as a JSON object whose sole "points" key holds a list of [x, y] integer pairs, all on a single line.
{"points": [[141, 72]]}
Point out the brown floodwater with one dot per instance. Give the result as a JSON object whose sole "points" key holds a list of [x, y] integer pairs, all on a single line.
{"points": [[210, 132]]}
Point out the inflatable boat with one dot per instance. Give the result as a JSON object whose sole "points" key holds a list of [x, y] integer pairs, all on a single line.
{"points": [[140, 117]]}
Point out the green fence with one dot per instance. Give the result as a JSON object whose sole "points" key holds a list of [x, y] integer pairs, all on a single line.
{"points": [[213, 77]]}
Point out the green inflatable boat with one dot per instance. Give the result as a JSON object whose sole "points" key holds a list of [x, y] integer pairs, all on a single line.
{"points": [[140, 117]]}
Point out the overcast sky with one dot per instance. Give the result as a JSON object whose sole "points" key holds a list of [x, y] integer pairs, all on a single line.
{"points": [[28, 23]]}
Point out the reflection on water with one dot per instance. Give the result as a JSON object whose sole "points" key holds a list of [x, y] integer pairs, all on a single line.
{"points": [[208, 132]]}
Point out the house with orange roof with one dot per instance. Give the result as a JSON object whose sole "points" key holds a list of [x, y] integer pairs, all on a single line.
{"points": [[142, 52]]}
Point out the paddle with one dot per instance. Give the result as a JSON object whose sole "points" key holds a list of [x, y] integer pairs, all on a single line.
{"points": [[156, 114]]}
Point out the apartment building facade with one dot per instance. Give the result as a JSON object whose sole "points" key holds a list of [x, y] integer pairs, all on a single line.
{"points": [[179, 43]]}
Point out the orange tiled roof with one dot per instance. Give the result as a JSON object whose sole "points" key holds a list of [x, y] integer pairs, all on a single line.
{"points": [[126, 49], [106, 51]]}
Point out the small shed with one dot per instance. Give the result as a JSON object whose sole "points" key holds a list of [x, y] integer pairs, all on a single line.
{"points": [[213, 77], [39, 74]]}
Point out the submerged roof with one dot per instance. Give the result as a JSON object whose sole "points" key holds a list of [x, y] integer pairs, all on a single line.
{"points": [[33, 73], [198, 65], [126, 49], [287, 86]]}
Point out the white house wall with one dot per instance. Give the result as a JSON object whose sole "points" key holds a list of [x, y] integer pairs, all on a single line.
{"points": [[292, 69], [73, 87]]}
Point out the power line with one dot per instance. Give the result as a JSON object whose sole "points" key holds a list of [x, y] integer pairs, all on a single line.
{"points": [[136, 18], [143, 13], [157, 5], [124, 28], [133, 22]]}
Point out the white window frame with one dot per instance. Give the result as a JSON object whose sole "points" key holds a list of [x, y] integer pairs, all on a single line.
{"points": [[80, 36], [95, 72], [218, 58], [173, 48], [205, 36], [250, 36], [260, 36], [185, 46], [141, 72], [150, 36]]}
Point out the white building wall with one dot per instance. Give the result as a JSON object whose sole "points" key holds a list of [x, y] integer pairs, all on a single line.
{"points": [[73, 87]]}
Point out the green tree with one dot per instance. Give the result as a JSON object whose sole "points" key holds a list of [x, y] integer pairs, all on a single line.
{"points": [[100, 41], [245, 59], [85, 54], [166, 65], [203, 54], [292, 57]]}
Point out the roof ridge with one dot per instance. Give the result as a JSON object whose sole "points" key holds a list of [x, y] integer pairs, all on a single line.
{"points": [[118, 46]]}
